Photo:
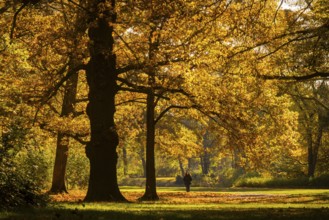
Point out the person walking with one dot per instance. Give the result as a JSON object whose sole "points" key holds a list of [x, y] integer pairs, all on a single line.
{"points": [[187, 181]]}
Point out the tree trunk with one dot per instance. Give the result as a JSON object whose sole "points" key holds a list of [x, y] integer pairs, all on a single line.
{"points": [[310, 157], [62, 148], [101, 78], [207, 142], [68, 106], [313, 149], [125, 160], [205, 162], [150, 188], [142, 156], [181, 167]]}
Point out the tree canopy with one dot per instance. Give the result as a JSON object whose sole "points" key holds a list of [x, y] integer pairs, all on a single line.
{"points": [[209, 84]]}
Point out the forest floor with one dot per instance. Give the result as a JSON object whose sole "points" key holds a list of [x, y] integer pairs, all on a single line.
{"points": [[200, 203]]}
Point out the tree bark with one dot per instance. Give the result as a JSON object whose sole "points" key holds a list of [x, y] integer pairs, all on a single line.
{"points": [[205, 162], [150, 188], [181, 167], [101, 78], [313, 149], [205, 157], [125, 160], [62, 148], [142, 157]]}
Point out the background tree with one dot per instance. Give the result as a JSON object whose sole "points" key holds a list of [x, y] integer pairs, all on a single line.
{"points": [[76, 58]]}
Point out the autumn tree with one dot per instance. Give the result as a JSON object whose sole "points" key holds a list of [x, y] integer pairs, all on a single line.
{"points": [[101, 74], [160, 74], [101, 78], [76, 57], [305, 58]]}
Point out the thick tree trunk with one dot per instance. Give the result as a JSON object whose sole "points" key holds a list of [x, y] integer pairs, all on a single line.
{"points": [[150, 188], [101, 78]]}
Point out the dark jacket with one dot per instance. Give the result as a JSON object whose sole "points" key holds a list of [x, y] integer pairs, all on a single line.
{"points": [[187, 179]]}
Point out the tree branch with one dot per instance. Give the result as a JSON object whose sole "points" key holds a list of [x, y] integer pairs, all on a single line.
{"points": [[140, 66], [169, 108], [299, 32], [13, 25], [316, 74], [78, 138], [7, 5], [53, 91], [137, 100]]}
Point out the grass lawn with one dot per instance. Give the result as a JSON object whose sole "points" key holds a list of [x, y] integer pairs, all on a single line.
{"points": [[200, 203]]}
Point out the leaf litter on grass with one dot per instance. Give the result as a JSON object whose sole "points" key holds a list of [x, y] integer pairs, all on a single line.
{"points": [[210, 197]]}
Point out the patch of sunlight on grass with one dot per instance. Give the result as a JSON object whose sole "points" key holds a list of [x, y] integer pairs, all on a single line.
{"points": [[230, 190], [274, 191], [158, 206], [201, 203]]}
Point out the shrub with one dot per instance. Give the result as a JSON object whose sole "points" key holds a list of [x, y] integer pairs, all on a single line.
{"points": [[320, 181], [18, 190], [77, 170], [228, 176], [20, 183], [273, 182]]}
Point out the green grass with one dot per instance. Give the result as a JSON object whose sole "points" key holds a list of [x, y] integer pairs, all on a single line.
{"points": [[201, 203]]}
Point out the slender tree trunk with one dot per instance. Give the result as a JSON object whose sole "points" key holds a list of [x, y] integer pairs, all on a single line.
{"points": [[101, 78], [205, 157], [310, 156], [150, 188], [181, 167], [142, 156], [125, 160], [68, 107], [189, 164], [62, 148], [313, 149], [205, 162]]}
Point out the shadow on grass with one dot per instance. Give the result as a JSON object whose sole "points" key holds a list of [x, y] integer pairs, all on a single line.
{"points": [[229, 214]]}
